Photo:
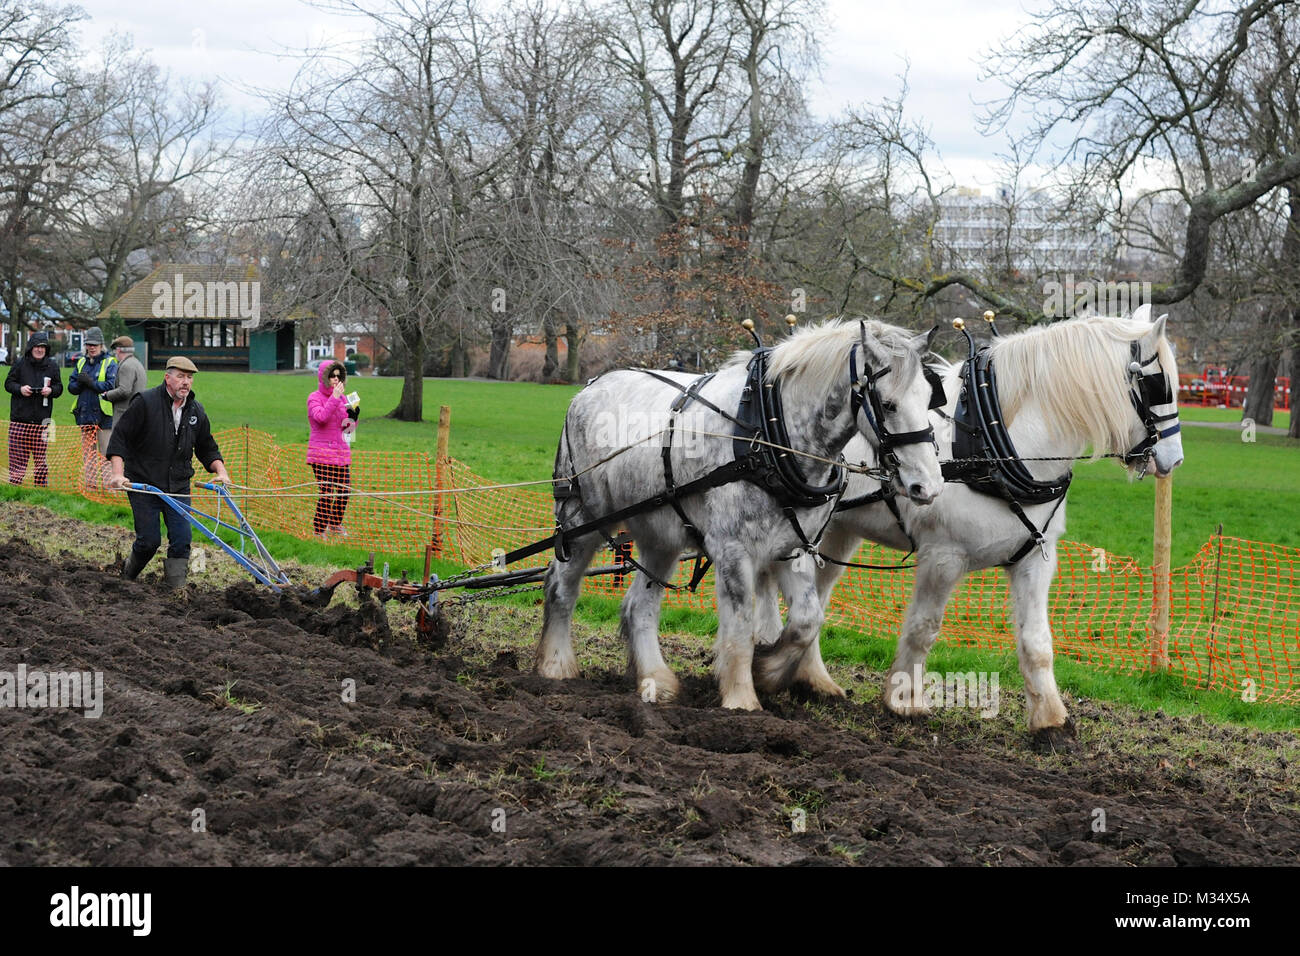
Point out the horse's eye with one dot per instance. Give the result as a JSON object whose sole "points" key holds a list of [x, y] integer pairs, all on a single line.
{"points": [[890, 407]]}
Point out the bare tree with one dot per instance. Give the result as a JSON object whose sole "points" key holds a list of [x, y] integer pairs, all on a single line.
{"points": [[711, 83], [161, 168], [1130, 84], [50, 113], [379, 144], [547, 107]]}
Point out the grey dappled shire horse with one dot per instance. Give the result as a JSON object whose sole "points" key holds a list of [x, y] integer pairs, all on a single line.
{"points": [[1063, 388], [742, 527]]}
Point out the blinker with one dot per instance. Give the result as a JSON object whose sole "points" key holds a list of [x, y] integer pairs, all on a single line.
{"points": [[938, 398]]}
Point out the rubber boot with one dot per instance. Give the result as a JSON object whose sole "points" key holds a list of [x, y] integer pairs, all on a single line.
{"points": [[133, 565], [175, 571]]}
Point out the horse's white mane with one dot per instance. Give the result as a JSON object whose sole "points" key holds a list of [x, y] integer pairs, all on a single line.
{"points": [[1077, 371], [815, 358]]}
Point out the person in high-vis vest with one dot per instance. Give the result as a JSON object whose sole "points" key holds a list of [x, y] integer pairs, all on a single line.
{"points": [[94, 374]]}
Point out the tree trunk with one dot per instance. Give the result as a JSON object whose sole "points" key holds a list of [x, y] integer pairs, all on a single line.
{"points": [[410, 408], [1259, 400], [551, 364], [458, 360], [499, 356], [574, 373], [1294, 430]]}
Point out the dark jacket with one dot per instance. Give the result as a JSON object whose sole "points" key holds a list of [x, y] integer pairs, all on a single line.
{"points": [[152, 452], [88, 411], [28, 371]]}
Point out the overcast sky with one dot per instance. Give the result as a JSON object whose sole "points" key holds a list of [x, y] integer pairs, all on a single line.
{"points": [[865, 49]]}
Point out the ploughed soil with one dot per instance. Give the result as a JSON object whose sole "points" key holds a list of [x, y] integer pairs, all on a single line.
{"points": [[225, 738]]}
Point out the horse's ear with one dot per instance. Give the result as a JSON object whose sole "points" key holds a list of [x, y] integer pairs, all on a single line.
{"points": [[921, 343], [1158, 327], [1142, 313], [879, 354]]}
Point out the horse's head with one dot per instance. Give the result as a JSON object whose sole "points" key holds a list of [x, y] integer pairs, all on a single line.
{"points": [[1153, 391], [892, 397]]}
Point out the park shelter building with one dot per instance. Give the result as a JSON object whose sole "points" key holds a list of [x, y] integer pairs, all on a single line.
{"points": [[215, 315]]}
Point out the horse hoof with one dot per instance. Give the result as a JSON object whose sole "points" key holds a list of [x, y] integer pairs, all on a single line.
{"points": [[558, 668], [1055, 740], [659, 688], [827, 688], [771, 672], [907, 712], [742, 701]]}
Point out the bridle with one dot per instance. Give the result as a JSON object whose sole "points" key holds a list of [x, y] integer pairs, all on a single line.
{"points": [[1146, 391], [865, 397]]}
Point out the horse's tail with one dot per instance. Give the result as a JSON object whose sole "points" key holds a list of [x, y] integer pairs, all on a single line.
{"points": [[564, 487]]}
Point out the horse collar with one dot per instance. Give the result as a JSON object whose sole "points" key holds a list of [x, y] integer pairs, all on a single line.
{"points": [[761, 438], [985, 458]]}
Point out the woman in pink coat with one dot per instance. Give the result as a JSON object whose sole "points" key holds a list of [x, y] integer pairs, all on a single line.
{"points": [[329, 456]]}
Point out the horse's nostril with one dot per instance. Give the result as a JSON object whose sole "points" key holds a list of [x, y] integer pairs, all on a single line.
{"points": [[916, 490]]}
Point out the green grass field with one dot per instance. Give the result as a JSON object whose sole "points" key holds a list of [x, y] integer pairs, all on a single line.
{"points": [[507, 432]]}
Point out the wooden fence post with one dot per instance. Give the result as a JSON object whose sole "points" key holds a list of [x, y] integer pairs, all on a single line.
{"points": [[1159, 639], [441, 467]]}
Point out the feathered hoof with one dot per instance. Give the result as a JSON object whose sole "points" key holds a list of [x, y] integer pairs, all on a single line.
{"points": [[741, 700], [822, 686], [1055, 740], [909, 713], [773, 669], [659, 688], [557, 668]]}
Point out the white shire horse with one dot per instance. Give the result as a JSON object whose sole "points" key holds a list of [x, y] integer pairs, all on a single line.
{"points": [[684, 483], [1107, 383]]}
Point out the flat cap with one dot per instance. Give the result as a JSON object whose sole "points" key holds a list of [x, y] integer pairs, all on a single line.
{"points": [[93, 336], [124, 342], [182, 363]]}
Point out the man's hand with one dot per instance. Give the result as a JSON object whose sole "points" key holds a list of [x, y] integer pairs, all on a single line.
{"points": [[85, 380], [119, 483], [45, 391], [26, 391], [219, 473]]}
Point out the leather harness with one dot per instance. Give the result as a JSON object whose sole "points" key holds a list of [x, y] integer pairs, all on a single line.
{"points": [[985, 458], [763, 457], [980, 432]]}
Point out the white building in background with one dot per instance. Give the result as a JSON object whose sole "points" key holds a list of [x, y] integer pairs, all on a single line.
{"points": [[986, 231]]}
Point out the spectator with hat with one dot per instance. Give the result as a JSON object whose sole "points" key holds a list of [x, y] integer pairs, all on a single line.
{"points": [[154, 443], [33, 383], [94, 374], [131, 376]]}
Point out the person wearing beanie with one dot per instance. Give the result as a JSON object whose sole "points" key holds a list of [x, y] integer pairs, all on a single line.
{"points": [[33, 383], [94, 374], [131, 376]]}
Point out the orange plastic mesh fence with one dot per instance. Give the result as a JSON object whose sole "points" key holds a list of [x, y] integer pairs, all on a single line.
{"points": [[390, 506], [1234, 613], [1099, 607]]}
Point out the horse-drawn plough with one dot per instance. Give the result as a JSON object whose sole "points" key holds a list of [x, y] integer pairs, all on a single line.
{"points": [[679, 503]]}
